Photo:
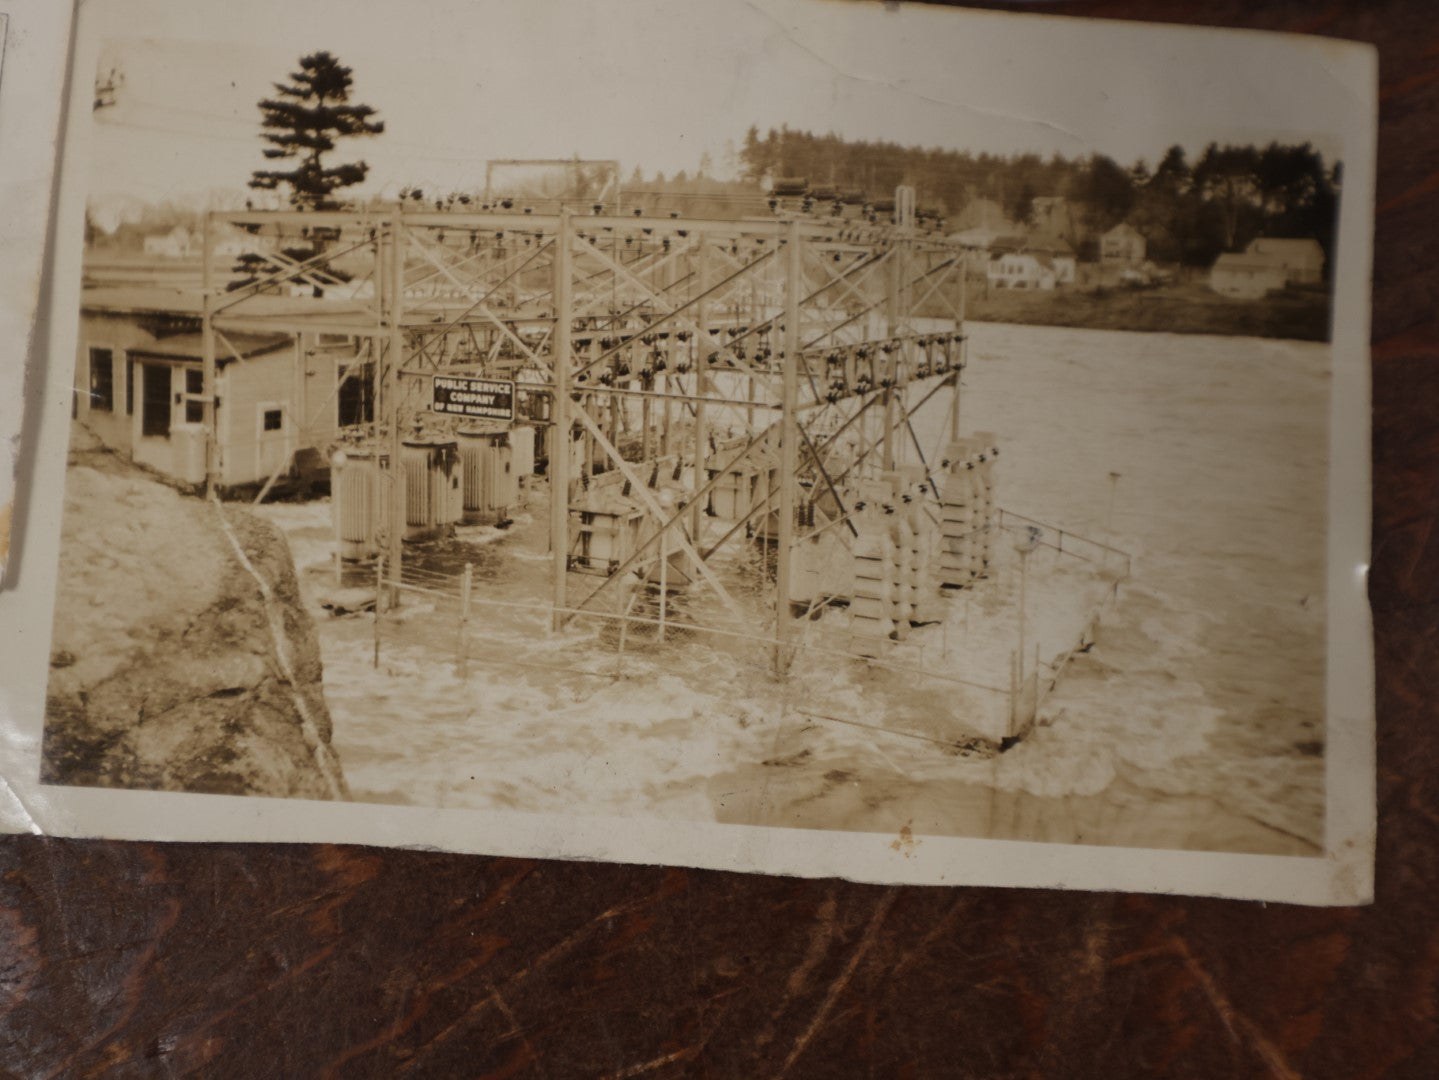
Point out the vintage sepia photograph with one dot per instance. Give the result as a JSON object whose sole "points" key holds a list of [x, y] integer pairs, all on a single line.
{"points": [[802, 416]]}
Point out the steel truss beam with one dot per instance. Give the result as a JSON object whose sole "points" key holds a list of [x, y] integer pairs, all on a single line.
{"points": [[697, 292]]}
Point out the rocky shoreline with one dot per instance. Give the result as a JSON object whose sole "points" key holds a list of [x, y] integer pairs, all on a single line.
{"points": [[182, 658]]}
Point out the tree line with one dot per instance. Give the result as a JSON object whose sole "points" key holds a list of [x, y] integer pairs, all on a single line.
{"points": [[1189, 212]]}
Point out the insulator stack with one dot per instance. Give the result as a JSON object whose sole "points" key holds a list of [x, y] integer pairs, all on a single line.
{"points": [[985, 470], [869, 607], [967, 511]]}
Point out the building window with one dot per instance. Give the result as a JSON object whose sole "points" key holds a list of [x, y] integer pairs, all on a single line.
{"points": [[273, 420], [356, 399], [155, 401], [129, 387], [194, 384], [102, 380]]}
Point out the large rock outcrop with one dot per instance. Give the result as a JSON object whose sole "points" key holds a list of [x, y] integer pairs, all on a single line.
{"points": [[182, 658]]}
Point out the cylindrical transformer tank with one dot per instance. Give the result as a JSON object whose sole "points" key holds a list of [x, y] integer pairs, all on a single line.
{"points": [[432, 487], [522, 449], [358, 502], [490, 484]]}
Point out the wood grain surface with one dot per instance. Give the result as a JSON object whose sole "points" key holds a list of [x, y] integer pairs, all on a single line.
{"points": [[158, 960]]}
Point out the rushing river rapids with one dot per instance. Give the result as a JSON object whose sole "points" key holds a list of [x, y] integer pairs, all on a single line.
{"points": [[1197, 720]]}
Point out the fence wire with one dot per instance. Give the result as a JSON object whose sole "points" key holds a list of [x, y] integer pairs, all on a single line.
{"points": [[612, 657]]}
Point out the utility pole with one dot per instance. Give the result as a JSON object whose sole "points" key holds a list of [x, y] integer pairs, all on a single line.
{"points": [[396, 307], [702, 351], [559, 467], [207, 347], [789, 449], [961, 350], [888, 362], [1025, 545]]}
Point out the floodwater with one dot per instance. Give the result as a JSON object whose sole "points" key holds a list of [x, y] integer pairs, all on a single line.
{"points": [[1196, 721]]}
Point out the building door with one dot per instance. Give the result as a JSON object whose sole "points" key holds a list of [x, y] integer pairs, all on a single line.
{"points": [[155, 401], [273, 439]]}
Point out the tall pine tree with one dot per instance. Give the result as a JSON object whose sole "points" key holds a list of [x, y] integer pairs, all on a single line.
{"points": [[302, 123]]}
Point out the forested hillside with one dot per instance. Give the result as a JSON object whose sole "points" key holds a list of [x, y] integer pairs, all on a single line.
{"points": [[1189, 211]]}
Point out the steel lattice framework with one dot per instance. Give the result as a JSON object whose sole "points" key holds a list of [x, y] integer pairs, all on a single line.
{"points": [[787, 333]]}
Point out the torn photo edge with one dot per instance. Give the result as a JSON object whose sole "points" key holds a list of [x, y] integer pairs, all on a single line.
{"points": [[34, 43]]}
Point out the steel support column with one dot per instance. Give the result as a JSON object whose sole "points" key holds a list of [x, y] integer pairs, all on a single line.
{"points": [[559, 467], [789, 449]]}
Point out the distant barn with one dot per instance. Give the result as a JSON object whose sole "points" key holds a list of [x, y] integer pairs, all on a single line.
{"points": [[1267, 265]]}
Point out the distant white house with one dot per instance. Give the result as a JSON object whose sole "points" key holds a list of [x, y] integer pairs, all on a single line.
{"points": [[178, 243], [1266, 265], [1060, 254], [1022, 270], [1246, 276], [978, 227], [1123, 245], [1302, 260], [182, 242]]}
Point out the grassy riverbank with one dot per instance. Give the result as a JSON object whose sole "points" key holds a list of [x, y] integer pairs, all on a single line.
{"points": [[1302, 315]]}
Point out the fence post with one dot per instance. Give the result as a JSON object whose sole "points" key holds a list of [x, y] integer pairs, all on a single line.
{"points": [[624, 627], [664, 578], [462, 658], [1013, 691], [379, 589]]}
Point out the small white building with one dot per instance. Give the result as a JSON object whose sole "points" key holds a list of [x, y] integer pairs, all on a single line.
{"points": [[139, 380], [1059, 253], [182, 242], [178, 243], [1246, 276], [1302, 260], [1022, 270], [1123, 245]]}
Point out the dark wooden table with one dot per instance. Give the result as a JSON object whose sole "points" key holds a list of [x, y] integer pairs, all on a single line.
{"points": [[157, 960]]}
